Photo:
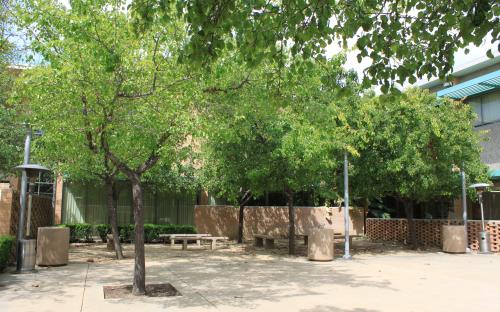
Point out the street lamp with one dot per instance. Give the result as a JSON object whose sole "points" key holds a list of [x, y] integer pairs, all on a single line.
{"points": [[483, 235], [464, 199], [31, 172]]}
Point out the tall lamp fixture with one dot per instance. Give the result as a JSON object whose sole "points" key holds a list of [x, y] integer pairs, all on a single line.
{"points": [[484, 241]]}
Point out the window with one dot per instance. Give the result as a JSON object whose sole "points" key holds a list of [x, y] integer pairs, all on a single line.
{"points": [[486, 107], [491, 106]]}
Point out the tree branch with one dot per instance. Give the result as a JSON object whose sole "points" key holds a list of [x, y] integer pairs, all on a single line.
{"points": [[240, 85]]}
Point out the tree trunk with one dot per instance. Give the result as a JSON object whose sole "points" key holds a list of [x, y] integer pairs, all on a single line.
{"points": [[112, 201], [244, 198], [412, 234], [291, 222], [139, 285], [240, 223]]}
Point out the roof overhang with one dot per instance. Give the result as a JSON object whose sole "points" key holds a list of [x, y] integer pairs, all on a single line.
{"points": [[473, 87]]}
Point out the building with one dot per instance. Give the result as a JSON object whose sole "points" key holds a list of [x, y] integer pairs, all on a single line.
{"points": [[479, 85]]}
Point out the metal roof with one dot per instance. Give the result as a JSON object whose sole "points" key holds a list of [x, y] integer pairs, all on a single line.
{"points": [[495, 174], [472, 87]]}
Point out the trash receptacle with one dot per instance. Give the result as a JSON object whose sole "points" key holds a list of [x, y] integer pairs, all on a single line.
{"points": [[52, 246], [28, 254], [320, 245], [454, 238]]}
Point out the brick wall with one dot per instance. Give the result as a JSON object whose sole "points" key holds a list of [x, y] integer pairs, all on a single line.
{"points": [[429, 231]]}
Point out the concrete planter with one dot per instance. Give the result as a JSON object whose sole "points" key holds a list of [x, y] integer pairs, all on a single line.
{"points": [[52, 246], [320, 245], [454, 238]]}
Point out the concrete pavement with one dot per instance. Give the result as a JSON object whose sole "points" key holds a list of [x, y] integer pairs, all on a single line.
{"points": [[242, 279]]}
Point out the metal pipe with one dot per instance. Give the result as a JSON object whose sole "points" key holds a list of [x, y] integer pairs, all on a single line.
{"points": [[464, 204], [346, 208], [483, 227], [22, 200]]}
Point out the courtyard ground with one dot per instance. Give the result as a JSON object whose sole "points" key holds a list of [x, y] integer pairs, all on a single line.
{"points": [[239, 278]]}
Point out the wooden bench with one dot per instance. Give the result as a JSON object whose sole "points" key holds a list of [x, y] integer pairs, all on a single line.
{"points": [[265, 241]]}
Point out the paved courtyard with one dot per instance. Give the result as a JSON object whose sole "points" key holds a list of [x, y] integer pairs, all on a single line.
{"points": [[239, 278]]}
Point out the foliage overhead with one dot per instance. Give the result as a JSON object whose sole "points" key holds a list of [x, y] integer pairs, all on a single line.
{"points": [[286, 132], [103, 83], [404, 40]]}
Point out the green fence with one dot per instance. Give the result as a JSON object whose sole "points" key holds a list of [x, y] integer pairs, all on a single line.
{"points": [[86, 203]]}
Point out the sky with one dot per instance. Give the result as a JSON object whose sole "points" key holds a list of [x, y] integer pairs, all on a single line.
{"points": [[462, 60]]}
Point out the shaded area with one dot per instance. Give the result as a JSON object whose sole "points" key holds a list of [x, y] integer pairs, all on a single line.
{"points": [[152, 290]]}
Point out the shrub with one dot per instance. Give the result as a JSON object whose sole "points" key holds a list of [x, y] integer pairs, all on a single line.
{"points": [[103, 230], [6, 243], [126, 233], [152, 231], [79, 232]]}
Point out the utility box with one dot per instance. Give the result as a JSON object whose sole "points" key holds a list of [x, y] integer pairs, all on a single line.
{"points": [[52, 246], [454, 238]]}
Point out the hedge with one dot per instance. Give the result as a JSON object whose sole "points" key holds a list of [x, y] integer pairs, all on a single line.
{"points": [[83, 231], [6, 243], [79, 232]]}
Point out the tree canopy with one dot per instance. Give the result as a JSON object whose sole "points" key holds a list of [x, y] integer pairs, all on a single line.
{"points": [[404, 40]]}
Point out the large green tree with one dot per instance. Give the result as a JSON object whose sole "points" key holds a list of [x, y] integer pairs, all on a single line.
{"points": [[125, 93], [404, 40], [287, 134], [408, 145], [11, 127]]}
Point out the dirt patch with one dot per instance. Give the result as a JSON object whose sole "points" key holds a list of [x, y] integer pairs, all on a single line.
{"points": [[152, 290]]}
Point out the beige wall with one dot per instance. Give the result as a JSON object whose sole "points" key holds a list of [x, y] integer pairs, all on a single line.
{"points": [[223, 220], [6, 194], [58, 203]]}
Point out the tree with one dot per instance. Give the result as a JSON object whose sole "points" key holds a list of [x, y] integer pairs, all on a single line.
{"points": [[404, 40], [11, 129], [287, 134], [63, 147], [408, 145], [125, 93]]}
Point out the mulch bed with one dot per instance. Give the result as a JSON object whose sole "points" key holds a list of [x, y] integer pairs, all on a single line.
{"points": [[152, 290]]}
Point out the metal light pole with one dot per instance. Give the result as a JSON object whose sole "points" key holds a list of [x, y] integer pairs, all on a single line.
{"points": [[484, 241], [346, 208], [22, 201], [464, 205]]}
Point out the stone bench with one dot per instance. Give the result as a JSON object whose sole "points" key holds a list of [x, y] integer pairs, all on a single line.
{"points": [[174, 237], [265, 241], [213, 240], [335, 236]]}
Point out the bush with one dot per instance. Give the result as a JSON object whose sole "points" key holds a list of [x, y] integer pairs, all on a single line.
{"points": [[82, 231], [6, 243], [126, 233], [79, 232], [103, 230]]}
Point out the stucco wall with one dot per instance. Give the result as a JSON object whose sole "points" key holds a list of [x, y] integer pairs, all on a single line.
{"points": [[223, 220]]}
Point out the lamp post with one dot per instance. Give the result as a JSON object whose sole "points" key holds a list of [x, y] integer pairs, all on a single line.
{"points": [[346, 208], [483, 235], [464, 200]]}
